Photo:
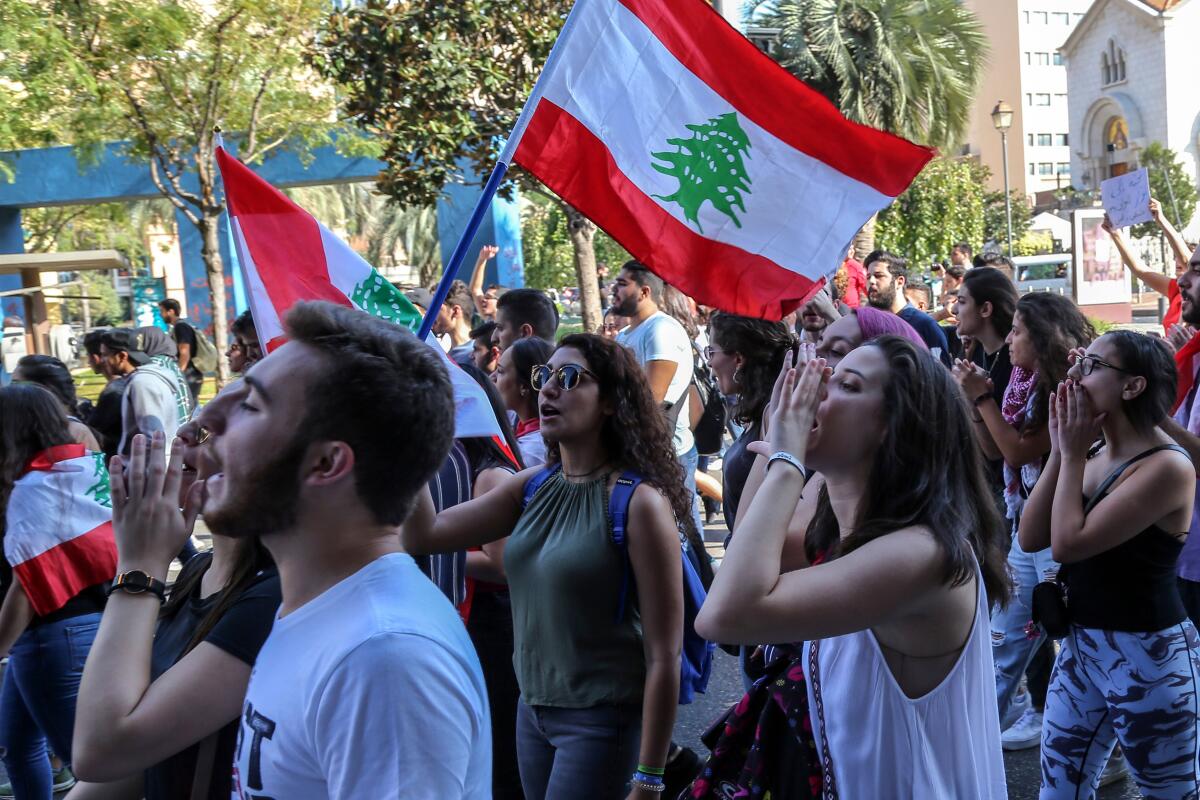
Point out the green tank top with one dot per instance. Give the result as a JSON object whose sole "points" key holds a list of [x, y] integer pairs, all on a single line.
{"points": [[564, 578]]}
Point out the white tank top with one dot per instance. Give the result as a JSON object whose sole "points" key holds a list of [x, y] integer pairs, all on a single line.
{"points": [[875, 743]]}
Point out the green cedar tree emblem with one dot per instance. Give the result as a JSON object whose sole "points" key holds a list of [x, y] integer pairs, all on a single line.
{"points": [[99, 491], [379, 298], [709, 167]]}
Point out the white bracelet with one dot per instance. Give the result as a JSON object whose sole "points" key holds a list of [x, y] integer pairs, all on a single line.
{"points": [[783, 455]]}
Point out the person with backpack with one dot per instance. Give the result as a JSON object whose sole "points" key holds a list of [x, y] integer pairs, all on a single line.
{"points": [[192, 352], [598, 614], [1126, 672]]}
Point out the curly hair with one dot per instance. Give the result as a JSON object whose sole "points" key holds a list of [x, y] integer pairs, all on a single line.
{"points": [[944, 490], [1056, 326], [763, 345], [635, 435]]}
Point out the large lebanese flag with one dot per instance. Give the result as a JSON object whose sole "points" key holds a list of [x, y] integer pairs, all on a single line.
{"points": [[59, 537], [706, 160], [286, 256]]}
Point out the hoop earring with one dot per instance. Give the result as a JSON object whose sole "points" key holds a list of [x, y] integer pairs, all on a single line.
{"points": [[737, 376]]}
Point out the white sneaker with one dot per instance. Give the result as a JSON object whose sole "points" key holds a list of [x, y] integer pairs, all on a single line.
{"points": [[1019, 705], [1025, 733], [1117, 768]]}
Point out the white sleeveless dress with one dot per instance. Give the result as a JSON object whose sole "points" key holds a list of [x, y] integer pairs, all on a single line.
{"points": [[875, 743]]}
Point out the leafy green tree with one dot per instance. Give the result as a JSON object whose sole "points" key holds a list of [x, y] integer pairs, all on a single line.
{"points": [[440, 85], [162, 74], [104, 306], [995, 222], [1170, 185], [942, 207], [910, 67]]}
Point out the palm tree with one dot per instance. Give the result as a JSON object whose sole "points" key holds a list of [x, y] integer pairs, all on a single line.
{"points": [[910, 67]]}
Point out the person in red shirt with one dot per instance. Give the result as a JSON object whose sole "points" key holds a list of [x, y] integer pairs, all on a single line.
{"points": [[851, 280]]}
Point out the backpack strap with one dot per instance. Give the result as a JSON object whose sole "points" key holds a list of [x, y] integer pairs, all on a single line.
{"points": [[536, 482], [1098, 495], [618, 518]]}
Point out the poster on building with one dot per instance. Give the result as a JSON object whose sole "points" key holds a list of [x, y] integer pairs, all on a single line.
{"points": [[1098, 276]]}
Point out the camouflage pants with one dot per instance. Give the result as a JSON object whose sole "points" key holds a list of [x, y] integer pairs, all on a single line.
{"points": [[1136, 689]]}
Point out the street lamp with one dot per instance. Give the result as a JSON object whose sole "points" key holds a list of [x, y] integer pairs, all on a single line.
{"points": [[1002, 117]]}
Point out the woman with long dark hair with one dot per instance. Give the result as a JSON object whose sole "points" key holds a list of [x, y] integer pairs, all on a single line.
{"points": [[58, 557], [513, 382], [1045, 329], [598, 693], [1127, 670], [163, 687], [51, 373], [905, 554]]}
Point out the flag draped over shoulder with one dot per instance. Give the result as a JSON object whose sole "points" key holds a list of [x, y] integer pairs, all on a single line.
{"points": [[58, 535], [731, 179], [287, 256]]}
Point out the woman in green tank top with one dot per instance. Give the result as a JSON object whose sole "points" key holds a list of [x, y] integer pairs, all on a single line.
{"points": [[598, 694]]}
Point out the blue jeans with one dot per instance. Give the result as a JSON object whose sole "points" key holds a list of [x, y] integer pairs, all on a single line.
{"points": [[689, 461], [37, 700], [566, 753], [1012, 647]]}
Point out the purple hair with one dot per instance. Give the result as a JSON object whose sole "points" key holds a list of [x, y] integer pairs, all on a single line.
{"points": [[874, 322]]}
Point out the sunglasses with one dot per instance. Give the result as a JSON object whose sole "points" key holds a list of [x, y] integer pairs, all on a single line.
{"points": [[568, 376]]}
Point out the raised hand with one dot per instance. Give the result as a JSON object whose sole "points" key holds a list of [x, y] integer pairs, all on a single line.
{"points": [[1077, 422], [789, 361], [972, 378], [1156, 210], [149, 526], [1180, 334], [487, 252], [792, 419]]}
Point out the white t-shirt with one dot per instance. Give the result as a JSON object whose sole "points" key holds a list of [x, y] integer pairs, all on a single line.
{"points": [[371, 689], [662, 338]]}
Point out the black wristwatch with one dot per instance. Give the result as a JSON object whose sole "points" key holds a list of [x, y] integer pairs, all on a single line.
{"points": [[137, 582]]}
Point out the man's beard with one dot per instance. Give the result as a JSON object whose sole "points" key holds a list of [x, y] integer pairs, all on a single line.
{"points": [[1191, 315], [265, 501], [882, 298], [624, 308]]}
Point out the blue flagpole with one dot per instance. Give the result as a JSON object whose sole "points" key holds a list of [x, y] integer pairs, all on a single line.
{"points": [[497, 177], [460, 250]]}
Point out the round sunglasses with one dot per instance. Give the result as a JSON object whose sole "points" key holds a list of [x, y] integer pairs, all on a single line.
{"points": [[568, 376]]}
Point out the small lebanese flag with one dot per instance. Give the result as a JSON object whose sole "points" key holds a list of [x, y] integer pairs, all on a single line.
{"points": [[59, 537], [288, 256], [727, 176]]}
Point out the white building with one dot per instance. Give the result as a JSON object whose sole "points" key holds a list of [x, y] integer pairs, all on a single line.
{"points": [[1133, 78], [1044, 26]]}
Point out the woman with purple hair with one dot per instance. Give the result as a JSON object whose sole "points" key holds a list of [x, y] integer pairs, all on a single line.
{"points": [[861, 325]]}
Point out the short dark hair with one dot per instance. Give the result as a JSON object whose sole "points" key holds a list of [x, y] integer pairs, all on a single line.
{"points": [[956, 271], [530, 307], [53, 374], [963, 247], [91, 342], [642, 275], [1148, 358], [483, 334], [895, 264], [389, 384], [170, 304], [459, 295], [244, 324], [996, 260], [924, 289]]}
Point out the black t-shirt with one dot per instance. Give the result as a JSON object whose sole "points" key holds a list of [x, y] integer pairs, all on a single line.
{"points": [[105, 418], [241, 633], [186, 334], [735, 470], [1000, 368]]}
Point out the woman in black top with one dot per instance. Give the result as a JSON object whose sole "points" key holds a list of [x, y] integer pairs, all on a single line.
{"points": [[162, 690], [1128, 665], [746, 355]]}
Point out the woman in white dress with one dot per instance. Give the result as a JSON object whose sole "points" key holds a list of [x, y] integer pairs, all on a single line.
{"points": [[904, 555]]}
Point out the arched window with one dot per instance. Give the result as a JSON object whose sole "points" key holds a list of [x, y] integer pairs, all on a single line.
{"points": [[1106, 69], [1120, 65], [1112, 64]]}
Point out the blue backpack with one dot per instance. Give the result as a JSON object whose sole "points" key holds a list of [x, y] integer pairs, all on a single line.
{"points": [[695, 664]]}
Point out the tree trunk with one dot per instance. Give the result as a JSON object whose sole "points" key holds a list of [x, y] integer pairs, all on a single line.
{"points": [[211, 251], [864, 240], [583, 232]]}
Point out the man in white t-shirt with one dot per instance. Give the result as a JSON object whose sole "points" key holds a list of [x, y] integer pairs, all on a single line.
{"points": [[664, 350], [368, 685]]}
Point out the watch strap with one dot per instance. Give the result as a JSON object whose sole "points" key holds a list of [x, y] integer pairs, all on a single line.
{"points": [[138, 582]]}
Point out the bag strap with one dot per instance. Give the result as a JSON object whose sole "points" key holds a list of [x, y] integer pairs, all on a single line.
{"points": [[536, 482], [618, 517], [206, 758], [1098, 495]]}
